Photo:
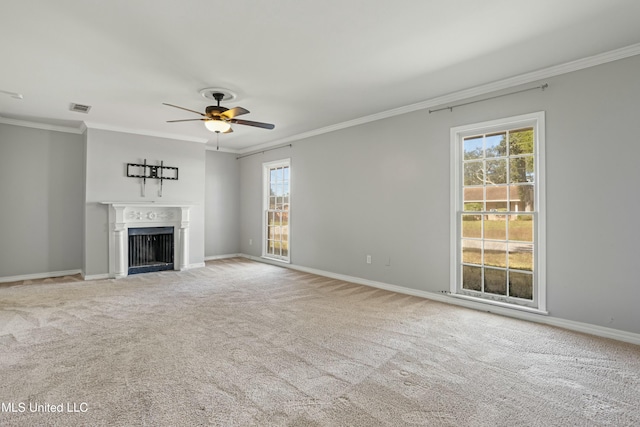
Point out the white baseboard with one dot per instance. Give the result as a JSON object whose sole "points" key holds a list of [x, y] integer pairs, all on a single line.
{"points": [[586, 328], [215, 257], [96, 276], [195, 265], [36, 276]]}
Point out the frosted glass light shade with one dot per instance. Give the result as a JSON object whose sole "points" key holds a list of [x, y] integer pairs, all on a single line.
{"points": [[217, 125]]}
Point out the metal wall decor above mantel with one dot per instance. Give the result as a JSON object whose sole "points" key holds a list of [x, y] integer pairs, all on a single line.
{"points": [[160, 172]]}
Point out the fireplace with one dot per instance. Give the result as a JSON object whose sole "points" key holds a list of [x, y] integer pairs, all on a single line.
{"points": [[150, 249], [126, 216]]}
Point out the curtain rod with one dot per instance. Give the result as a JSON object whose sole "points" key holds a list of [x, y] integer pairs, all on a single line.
{"points": [[542, 87], [263, 151]]}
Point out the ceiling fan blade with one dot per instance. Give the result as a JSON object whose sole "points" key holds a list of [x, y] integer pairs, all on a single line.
{"points": [[234, 112], [255, 124], [186, 109], [186, 120]]}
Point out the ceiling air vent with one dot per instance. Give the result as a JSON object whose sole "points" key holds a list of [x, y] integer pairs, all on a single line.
{"points": [[79, 108]]}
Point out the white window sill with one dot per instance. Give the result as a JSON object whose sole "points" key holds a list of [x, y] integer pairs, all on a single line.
{"points": [[284, 261], [502, 304]]}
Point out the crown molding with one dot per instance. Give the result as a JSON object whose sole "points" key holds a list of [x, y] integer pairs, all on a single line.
{"points": [[221, 149], [144, 132], [545, 73], [43, 126]]}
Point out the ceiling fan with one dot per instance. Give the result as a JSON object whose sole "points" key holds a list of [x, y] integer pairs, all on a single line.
{"points": [[218, 119]]}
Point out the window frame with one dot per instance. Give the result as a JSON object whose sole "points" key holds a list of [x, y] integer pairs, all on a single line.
{"points": [[266, 184], [537, 122]]}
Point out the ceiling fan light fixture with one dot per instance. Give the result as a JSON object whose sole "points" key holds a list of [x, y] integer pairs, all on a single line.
{"points": [[218, 126]]}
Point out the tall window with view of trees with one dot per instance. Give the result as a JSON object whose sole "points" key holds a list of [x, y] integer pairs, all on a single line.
{"points": [[497, 214], [277, 192]]}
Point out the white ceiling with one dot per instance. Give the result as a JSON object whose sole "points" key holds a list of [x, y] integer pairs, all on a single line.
{"points": [[300, 64]]}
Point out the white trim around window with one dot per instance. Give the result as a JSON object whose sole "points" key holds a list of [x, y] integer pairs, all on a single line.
{"points": [[477, 179], [276, 210]]}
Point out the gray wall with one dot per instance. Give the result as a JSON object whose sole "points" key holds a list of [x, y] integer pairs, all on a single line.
{"points": [[41, 193], [222, 204], [107, 154], [384, 189]]}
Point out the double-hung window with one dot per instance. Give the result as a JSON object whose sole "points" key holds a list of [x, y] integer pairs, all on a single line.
{"points": [[277, 202], [497, 223]]}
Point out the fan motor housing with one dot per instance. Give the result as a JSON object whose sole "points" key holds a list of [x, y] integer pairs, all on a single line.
{"points": [[215, 110]]}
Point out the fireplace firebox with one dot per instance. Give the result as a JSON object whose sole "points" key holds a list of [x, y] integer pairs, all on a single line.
{"points": [[150, 249]]}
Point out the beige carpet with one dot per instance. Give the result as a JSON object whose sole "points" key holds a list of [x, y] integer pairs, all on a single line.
{"points": [[241, 343]]}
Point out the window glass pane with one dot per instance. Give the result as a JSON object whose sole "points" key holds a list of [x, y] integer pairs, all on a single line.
{"points": [[473, 194], [473, 148], [495, 227], [473, 207], [472, 251], [273, 248], [472, 226], [495, 254], [497, 206], [472, 278], [521, 141], [497, 224], [521, 169], [473, 174], [495, 281], [497, 197], [521, 285], [521, 256], [522, 198], [496, 171], [496, 145], [521, 228], [277, 219], [473, 198]]}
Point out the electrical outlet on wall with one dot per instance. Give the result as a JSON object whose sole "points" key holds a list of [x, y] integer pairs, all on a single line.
{"points": [[368, 259], [250, 242]]}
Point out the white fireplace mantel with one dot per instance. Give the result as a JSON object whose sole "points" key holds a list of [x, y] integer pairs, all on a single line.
{"points": [[125, 215]]}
